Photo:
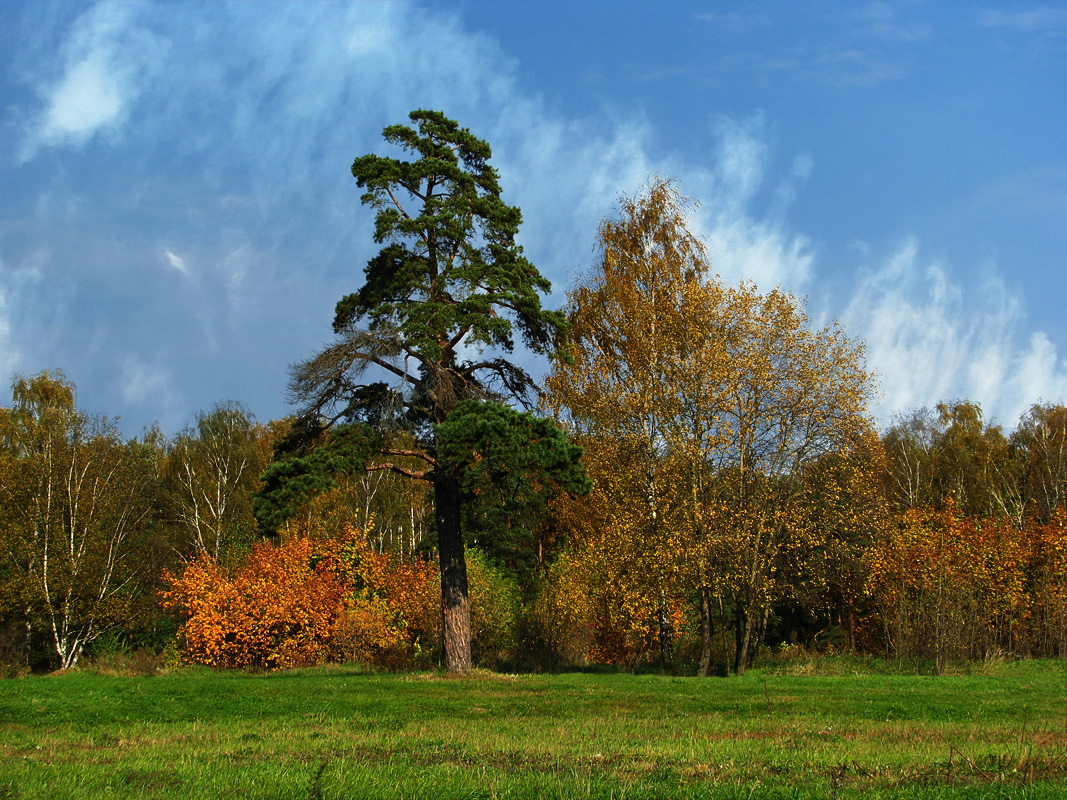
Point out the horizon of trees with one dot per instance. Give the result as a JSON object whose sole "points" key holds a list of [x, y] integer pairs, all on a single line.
{"points": [[946, 538]]}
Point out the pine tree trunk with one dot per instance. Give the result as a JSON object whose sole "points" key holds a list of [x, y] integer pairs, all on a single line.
{"points": [[455, 602]]}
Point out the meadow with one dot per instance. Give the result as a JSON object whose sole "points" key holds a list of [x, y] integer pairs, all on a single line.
{"points": [[834, 727]]}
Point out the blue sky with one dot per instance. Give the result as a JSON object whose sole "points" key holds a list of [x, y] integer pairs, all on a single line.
{"points": [[178, 219]]}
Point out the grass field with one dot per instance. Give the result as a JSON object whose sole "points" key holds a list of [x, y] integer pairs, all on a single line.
{"points": [[795, 731]]}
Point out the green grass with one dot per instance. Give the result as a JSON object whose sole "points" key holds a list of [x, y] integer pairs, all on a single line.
{"points": [[338, 733]]}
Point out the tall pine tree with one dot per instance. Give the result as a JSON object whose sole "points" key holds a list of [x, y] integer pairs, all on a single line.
{"points": [[432, 326]]}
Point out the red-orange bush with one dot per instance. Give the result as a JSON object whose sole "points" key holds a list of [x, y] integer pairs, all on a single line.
{"points": [[307, 601], [276, 610]]}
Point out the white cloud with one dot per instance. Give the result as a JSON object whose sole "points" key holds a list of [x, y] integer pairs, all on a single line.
{"points": [[1041, 376], [373, 38], [929, 340], [31, 310], [88, 98], [881, 21], [567, 176], [744, 248], [741, 156], [177, 262], [245, 150], [743, 244], [235, 269], [107, 61]]}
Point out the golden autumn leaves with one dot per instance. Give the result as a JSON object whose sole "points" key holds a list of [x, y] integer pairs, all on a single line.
{"points": [[948, 587], [699, 406]]}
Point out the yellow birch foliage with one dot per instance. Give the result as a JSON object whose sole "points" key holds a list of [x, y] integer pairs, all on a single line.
{"points": [[564, 609], [633, 391], [602, 598], [794, 395], [710, 401], [74, 506]]}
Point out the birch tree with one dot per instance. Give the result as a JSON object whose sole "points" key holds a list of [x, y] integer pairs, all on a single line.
{"points": [[1041, 441], [74, 499], [793, 395], [642, 380], [213, 467], [721, 395]]}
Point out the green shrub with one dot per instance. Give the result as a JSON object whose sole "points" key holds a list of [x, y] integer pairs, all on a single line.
{"points": [[495, 605]]}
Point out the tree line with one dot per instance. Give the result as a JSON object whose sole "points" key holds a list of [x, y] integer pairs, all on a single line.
{"points": [[697, 479]]}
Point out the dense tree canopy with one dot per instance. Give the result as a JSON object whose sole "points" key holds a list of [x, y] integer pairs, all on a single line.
{"points": [[708, 484]]}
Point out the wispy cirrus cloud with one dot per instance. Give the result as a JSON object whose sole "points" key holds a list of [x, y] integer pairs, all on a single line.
{"points": [[1048, 19], [177, 262], [106, 62], [931, 339], [732, 20], [882, 21], [870, 46]]}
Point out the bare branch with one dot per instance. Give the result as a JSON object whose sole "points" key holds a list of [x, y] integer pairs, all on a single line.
{"points": [[420, 475], [419, 454]]}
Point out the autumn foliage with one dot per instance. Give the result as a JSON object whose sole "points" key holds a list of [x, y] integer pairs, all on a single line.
{"points": [[946, 586], [275, 610], [710, 488], [306, 601]]}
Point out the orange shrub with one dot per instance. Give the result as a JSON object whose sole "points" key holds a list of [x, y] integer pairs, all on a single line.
{"points": [[306, 601], [277, 610]]}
